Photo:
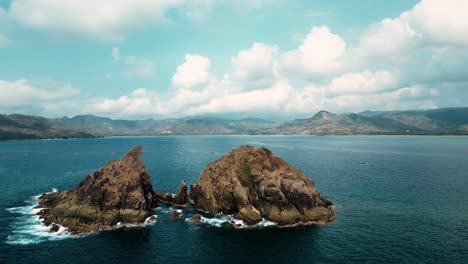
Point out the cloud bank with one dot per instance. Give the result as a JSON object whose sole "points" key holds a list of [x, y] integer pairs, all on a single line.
{"points": [[416, 60]]}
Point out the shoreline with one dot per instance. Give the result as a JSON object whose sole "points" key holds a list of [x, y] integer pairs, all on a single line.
{"points": [[245, 135]]}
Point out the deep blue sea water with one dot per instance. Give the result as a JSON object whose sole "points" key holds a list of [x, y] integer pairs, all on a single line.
{"points": [[398, 200]]}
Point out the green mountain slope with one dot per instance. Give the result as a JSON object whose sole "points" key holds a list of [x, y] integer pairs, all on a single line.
{"points": [[14, 127]]}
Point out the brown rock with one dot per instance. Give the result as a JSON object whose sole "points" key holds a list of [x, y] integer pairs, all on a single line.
{"points": [[181, 196], [180, 199], [253, 184], [196, 218], [121, 191], [175, 214], [54, 228]]}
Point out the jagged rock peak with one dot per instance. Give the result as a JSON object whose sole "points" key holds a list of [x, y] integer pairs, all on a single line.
{"points": [[121, 191], [179, 199]]}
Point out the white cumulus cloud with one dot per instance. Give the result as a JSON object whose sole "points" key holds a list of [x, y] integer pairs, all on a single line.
{"points": [[365, 82], [255, 66], [416, 60], [195, 71], [441, 21], [321, 53], [390, 39], [111, 19], [22, 96], [429, 23], [274, 99], [101, 19]]}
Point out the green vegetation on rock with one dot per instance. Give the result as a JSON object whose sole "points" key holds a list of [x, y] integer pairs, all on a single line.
{"points": [[245, 176], [238, 184]]}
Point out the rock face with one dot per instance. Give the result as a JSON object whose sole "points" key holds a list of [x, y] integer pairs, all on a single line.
{"points": [[196, 218], [121, 192], [253, 184], [175, 214], [54, 228], [180, 199]]}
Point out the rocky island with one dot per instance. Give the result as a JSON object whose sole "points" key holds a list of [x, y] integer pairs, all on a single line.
{"points": [[248, 184], [253, 184], [120, 193]]}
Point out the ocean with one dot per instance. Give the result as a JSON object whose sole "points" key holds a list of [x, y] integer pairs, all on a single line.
{"points": [[398, 199]]}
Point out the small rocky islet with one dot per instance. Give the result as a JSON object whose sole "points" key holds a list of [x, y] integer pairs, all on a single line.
{"points": [[248, 184]]}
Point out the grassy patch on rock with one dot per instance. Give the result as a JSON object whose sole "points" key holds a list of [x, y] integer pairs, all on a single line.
{"points": [[245, 177]]}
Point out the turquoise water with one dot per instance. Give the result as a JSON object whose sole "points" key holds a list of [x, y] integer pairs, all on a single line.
{"points": [[398, 200]]}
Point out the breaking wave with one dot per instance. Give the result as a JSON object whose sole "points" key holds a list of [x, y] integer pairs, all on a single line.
{"points": [[221, 220], [27, 228]]}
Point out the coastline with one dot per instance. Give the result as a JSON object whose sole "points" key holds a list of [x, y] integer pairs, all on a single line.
{"points": [[246, 135]]}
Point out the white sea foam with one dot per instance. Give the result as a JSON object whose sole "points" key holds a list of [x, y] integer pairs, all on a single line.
{"points": [[237, 223], [165, 210], [220, 220], [150, 221], [266, 223], [217, 222], [28, 228]]}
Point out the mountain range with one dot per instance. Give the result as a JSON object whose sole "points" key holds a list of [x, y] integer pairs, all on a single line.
{"points": [[16, 127], [443, 121]]}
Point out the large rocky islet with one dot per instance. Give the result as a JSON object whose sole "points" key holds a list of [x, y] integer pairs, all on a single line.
{"points": [[253, 184]]}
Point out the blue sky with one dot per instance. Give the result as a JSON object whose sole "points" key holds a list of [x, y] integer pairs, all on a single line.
{"points": [[267, 58]]}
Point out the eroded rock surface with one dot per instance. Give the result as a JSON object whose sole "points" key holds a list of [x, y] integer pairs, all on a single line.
{"points": [[179, 199], [121, 192], [253, 184]]}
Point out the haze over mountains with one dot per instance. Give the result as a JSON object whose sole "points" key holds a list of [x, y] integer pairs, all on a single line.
{"points": [[182, 126], [444, 121], [16, 127]]}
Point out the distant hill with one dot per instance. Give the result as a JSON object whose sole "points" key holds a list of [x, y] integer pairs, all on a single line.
{"points": [[326, 123], [436, 120], [183, 126], [109, 127], [444, 121], [15, 127]]}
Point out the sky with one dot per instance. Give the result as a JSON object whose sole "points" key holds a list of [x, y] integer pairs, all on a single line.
{"points": [[274, 59]]}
